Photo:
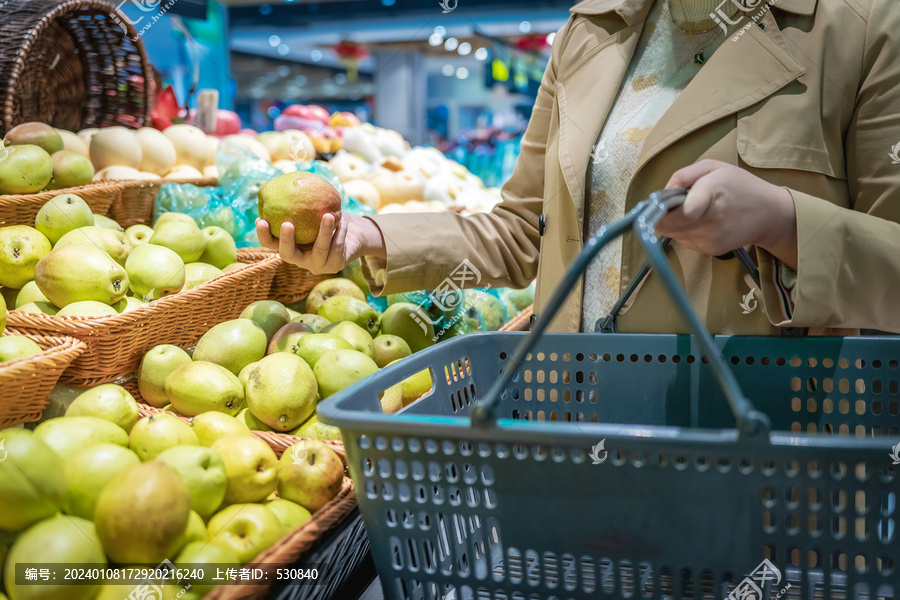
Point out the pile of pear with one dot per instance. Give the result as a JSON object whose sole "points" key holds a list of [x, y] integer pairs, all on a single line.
{"points": [[270, 367], [13, 346], [101, 485], [76, 263]]}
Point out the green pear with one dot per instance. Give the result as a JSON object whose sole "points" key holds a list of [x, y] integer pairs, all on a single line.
{"points": [[338, 369], [37, 134], [388, 348], [287, 337], [173, 217], [249, 419], [203, 472], [64, 540], [103, 221], [138, 234], [353, 272], [109, 401], [347, 308], [130, 303], [153, 435], [314, 322], [281, 391], [311, 347], [293, 314], [337, 286], [32, 484], [40, 308], [30, 292], [492, 308], [112, 242], [391, 399], [24, 169], [405, 320], [245, 529], [2, 314], [415, 386], [185, 239], [88, 471], [233, 344], [220, 250], [154, 271], [244, 375], [310, 474], [141, 515], [300, 198], [269, 315], [21, 248], [358, 337], [198, 273], [202, 386], [212, 425], [71, 434], [194, 532], [314, 428], [70, 169], [156, 365], [251, 467], [62, 214], [291, 514], [203, 558], [87, 308], [17, 346], [80, 272]]}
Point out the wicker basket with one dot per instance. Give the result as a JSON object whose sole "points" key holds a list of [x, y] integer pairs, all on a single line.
{"points": [[115, 344], [521, 322], [135, 204], [25, 384], [291, 283], [21, 209], [73, 64]]}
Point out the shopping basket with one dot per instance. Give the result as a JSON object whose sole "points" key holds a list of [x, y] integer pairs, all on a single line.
{"points": [[632, 466]]}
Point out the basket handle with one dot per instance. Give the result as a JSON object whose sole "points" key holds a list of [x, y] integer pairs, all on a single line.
{"points": [[642, 219]]}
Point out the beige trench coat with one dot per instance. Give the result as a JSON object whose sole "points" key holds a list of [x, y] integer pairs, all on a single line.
{"points": [[808, 98]]}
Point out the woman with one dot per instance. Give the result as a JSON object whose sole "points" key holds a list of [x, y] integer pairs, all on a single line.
{"points": [[784, 123]]}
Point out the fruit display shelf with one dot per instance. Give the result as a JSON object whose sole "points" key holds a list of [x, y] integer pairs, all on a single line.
{"points": [[291, 283], [25, 383], [115, 344], [21, 209], [134, 205]]}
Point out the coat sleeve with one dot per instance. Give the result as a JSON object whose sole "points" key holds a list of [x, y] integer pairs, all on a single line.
{"points": [[848, 271], [423, 249]]}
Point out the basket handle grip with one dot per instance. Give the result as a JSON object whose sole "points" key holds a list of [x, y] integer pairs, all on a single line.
{"points": [[642, 219]]}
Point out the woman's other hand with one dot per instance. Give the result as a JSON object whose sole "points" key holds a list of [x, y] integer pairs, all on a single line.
{"points": [[728, 208], [334, 247]]}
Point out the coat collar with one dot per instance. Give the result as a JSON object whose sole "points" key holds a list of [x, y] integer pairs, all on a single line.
{"points": [[633, 10]]}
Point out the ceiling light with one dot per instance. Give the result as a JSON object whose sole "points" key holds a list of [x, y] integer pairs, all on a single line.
{"points": [[451, 44], [462, 73], [274, 40], [525, 27], [435, 39], [448, 70], [464, 49], [316, 55], [283, 49], [440, 30], [550, 37], [481, 54]]}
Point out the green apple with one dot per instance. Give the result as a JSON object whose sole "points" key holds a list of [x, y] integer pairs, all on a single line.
{"points": [[155, 367], [197, 555], [154, 271], [291, 514], [310, 474], [109, 401], [17, 346], [233, 344], [21, 248], [251, 421], [220, 250], [32, 483], [30, 292], [246, 529], [251, 467], [88, 471], [138, 234], [153, 435], [67, 435], [202, 386], [143, 514], [62, 540], [281, 391], [268, 314], [203, 471], [183, 238], [212, 425]]}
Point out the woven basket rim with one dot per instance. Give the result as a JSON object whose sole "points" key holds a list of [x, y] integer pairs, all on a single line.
{"points": [[133, 183], [31, 36], [59, 345], [89, 187]]}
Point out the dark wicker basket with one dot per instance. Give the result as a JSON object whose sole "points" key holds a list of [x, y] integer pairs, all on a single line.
{"points": [[71, 64]]}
